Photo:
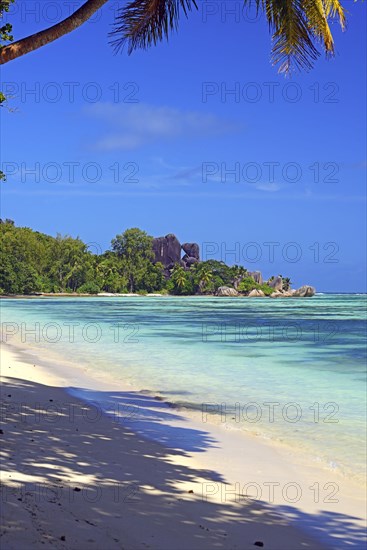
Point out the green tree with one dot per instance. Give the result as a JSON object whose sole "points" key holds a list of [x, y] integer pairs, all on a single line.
{"points": [[153, 279], [22, 253], [247, 284], [109, 274], [238, 273], [203, 278], [297, 26], [181, 282], [71, 265], [222, 273], [134, 249]]}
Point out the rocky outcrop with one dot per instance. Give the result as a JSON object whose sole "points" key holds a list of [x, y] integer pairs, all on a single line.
{"points": [[288, 293], [256, 293], [277, 294], [305, 291], [188, 261], [191, 250], [226, 291], [167, 250], [257, 277], [276, 283]]}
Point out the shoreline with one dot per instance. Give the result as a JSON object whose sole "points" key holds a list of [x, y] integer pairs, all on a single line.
{"points": [[83, 375], [158, 295], [131, 295], [239, 461]]}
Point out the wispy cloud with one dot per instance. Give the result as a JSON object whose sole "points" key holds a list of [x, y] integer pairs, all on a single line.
{"points": [[271, 187], [195, 175], [129, 127]]}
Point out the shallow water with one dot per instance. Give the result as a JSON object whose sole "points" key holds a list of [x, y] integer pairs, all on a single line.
{"points": [[293, 370]]}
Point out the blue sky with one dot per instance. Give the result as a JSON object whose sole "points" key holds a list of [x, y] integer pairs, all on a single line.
{"points": [[199, 137]]}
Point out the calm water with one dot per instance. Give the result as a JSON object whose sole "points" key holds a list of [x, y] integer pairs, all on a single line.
{"points": [[292, 370]]}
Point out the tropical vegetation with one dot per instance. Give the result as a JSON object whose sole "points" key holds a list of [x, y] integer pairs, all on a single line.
{"points": [[33, 262]]}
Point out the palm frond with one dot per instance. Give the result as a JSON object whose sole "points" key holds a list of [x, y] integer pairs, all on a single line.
{"points": [[292, 39], [144, 22], [296, 26], [334, 9], [316, 14]]}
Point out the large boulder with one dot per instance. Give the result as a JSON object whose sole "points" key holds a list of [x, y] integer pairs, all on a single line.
{"points": [[167, 250], [291, 291], [188, 261], [305, 291], [159, 248], [192, 250], [257, 277], [283, 294], [276, 283], [226, 291], [256, 293], [277, 294]]}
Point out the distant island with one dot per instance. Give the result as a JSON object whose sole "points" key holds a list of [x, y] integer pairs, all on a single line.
{"points": [[35, 263]]}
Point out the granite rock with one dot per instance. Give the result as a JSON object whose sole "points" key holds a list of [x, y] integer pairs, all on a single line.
{"points": [[167, 250], [192, 250], [226, 291], [256, 293], [276, 283], [305, 291]]}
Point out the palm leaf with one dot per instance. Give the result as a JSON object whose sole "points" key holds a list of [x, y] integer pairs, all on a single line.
{"points": [[333, 8], [145, 22], [296, 26], [292, 36], [317, 20], [318, 12]]}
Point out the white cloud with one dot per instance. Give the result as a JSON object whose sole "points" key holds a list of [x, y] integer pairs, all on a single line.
{"points": [[132, 126], [270, 187]]}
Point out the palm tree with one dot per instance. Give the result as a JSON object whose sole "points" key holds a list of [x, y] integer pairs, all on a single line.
{"points": [[205, 277], [179, 277], [296, 26], [39, 39], [286, 282]]}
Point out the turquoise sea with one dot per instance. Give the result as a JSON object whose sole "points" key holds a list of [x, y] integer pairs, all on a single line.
{"points": [[293, 370]]}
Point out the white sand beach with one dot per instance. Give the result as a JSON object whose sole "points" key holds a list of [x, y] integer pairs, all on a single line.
{"points": [[75, 478]]}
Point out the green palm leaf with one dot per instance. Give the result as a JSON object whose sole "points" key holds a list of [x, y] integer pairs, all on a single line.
{"points": [[144, 22], [292, 39], [296, 26]]}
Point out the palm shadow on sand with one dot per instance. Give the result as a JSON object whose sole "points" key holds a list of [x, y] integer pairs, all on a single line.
{"points": [[71, 454]]}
